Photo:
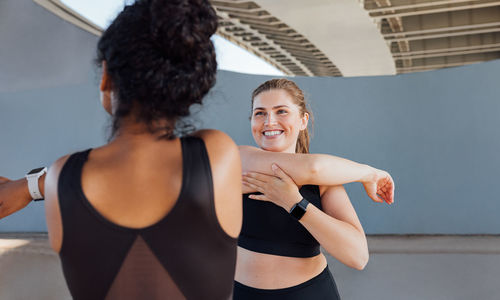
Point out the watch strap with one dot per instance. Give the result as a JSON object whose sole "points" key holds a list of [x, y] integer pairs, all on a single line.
{"points": [[33, 188]]}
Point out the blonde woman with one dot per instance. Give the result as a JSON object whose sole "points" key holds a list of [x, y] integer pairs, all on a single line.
{"points": [[293, 203]]}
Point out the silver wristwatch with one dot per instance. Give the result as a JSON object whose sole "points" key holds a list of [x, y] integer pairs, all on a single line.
{"points": [[32, 178]]}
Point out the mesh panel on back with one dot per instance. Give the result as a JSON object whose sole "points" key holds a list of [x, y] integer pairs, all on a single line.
{"points": [[142, 276]]}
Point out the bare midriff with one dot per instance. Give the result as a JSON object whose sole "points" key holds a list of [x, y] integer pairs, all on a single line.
{"points": [[267, 271]]}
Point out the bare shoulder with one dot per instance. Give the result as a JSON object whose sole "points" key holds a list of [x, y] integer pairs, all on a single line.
{"points": [[53, 176], [57, 166], [217, 140], [220, 147], [52, 210]]}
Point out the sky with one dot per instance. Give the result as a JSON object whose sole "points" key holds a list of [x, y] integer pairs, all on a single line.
{"points": [[229, 56]]}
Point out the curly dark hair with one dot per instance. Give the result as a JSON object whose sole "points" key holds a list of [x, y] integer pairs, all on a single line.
{"points": [[160, 60]]}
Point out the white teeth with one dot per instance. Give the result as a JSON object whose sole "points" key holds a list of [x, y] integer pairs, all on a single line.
{"points": [[272, 133]]}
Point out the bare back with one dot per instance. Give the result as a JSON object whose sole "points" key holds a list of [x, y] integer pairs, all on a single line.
{"points": [[134, 186]]}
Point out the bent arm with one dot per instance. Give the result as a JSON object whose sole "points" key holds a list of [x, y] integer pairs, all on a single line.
{"points": [[337, 228], [319, 169]]}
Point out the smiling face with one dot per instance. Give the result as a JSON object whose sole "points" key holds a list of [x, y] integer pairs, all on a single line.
{"points": [[277, 121]]}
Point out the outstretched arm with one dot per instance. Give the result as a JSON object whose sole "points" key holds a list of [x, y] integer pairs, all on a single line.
{"points": [[319, 169], [14, 194]]}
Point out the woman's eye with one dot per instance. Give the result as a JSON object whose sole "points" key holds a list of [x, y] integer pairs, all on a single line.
{"points": [[259, 113], [282, 111]]}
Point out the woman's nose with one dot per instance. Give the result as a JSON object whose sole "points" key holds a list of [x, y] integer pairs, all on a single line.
{"points": [[270, 119]]}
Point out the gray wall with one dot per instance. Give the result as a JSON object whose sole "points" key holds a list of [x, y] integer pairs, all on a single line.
{"points": [[436, 132], [49, 101]]}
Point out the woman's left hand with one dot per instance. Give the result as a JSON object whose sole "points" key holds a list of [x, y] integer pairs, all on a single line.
{"points": [[279, 189]]}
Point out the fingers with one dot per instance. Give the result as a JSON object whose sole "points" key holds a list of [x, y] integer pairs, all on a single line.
{"points": [[258, 197], [245, 189], [258, 176], [280, 173], [252, 186], [253, 180], [382, 191], [389, 194], [388, 189], [385, 196], [385, 189], [393, 188], [376, 198], [371, 191]]}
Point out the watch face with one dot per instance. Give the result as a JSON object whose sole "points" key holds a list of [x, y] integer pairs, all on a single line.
{"points": [[34, 171], [298, 211]]}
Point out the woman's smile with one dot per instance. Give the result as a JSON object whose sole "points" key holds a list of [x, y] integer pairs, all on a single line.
{"points": [[272, 134]]}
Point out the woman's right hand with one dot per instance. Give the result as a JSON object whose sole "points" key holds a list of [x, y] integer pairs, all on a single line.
{"points": [[245, 189], [14, 196], [379, 186]]}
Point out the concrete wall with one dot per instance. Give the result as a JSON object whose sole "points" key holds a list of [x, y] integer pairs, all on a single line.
{"points": [[436, 132]]}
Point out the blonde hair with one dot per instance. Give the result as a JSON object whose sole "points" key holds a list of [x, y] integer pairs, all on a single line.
{"points": [[298, 98]]}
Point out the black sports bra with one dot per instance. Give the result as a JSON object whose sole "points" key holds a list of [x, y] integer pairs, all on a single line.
{"points": [[268, 228]]}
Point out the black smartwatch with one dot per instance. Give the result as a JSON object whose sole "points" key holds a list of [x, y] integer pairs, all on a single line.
{"points": [[299, 209]]}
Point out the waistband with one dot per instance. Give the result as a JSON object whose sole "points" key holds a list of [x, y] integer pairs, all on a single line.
{"points": [[324, 275]]}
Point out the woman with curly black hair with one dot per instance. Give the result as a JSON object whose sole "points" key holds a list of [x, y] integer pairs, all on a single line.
{"points": [[150, 215]]}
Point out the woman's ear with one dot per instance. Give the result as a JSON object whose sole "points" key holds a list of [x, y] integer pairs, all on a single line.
{"points": [[105, 80], [304, 121], [106, 90]]}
